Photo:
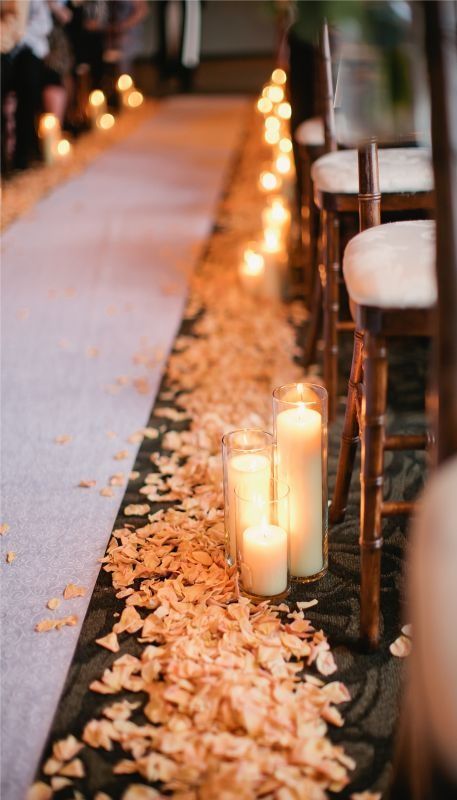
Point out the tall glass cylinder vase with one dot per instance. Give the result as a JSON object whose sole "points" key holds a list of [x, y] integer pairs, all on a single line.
{"points": [[262, 542], [247, 461], [300, 423]]}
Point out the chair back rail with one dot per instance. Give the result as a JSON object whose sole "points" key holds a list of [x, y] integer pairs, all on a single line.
{"points": [[441, 49], [327, 91]]}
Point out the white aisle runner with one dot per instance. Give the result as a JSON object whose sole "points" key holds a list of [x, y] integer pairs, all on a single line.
{"points": [[91, 276]]}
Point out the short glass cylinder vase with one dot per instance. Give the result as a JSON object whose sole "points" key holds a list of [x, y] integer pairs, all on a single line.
{"points": [[247, 463], [262, 543], [301, 435]]}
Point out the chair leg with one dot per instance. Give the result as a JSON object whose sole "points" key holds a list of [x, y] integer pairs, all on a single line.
{"points": [[307, 240], [350, 435], [373, 436], [316, 300], [331, 308]]}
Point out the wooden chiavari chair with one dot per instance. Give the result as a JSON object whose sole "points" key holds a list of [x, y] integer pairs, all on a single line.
{"points": [[389, 274], [406, 185]]}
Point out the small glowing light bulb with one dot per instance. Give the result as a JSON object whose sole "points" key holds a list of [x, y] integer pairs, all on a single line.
{"points": [[253, 262], [106, 122], [63, 147], [273, 123], [284, 110], [272, 136], [278, 213], [285, 145], [268, 181], [96, 98], [124, 82], [278, 76], [275, 93], [272, 240], [283, 164], [135, 99], [49, 122], [264, 105]]}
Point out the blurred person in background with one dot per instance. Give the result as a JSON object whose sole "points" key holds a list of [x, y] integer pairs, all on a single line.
{"points": [[58, 62], [124, 19], [179, 32], [13, 19], [23, 74]]}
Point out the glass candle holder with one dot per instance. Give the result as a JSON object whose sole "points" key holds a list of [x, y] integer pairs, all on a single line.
{"points": [[262, 542], [300, 424], [247, 463], [49, 134]]}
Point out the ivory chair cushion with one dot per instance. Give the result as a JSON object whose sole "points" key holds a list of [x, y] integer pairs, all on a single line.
{"points": [[401, 169], [392, 265], [310, 132]]}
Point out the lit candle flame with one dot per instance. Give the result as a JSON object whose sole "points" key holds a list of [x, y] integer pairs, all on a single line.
{"points": [[278, 212], [272, 123], [279, 76], [269, 181], [106, 122], [275, 94], [63, 147], [264, 105], [272, 136], [272, 240], [124, 82], [283, 164], [135, 99], [96, 98], [285, 145], [253, 262], [48, 122], [284, 110]]}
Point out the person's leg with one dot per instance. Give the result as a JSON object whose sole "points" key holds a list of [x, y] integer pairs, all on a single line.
{"points": [[162, 60], [6, 86], [28, 74], [55, 101]]}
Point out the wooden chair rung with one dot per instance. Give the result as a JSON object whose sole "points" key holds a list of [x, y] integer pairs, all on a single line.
{"points": [[408, 442], [397, 507], [345, 325]]}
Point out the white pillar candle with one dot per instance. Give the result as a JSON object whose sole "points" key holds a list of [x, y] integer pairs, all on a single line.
{"points": [[49, 133], [63, 150], [299, 453], [275, 261], [124, 86], [269, 182], [264, 560], [250, 475], [97, 106], [276, 216], [251, 271]]}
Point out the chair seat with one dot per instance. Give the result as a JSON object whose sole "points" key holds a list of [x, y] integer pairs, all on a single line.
{"points": [[401, 169], [392, 265], [310, 132]]}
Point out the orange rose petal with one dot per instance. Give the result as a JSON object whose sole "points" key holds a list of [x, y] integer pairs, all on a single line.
{"points": [[73, 590], [401, 647]]}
